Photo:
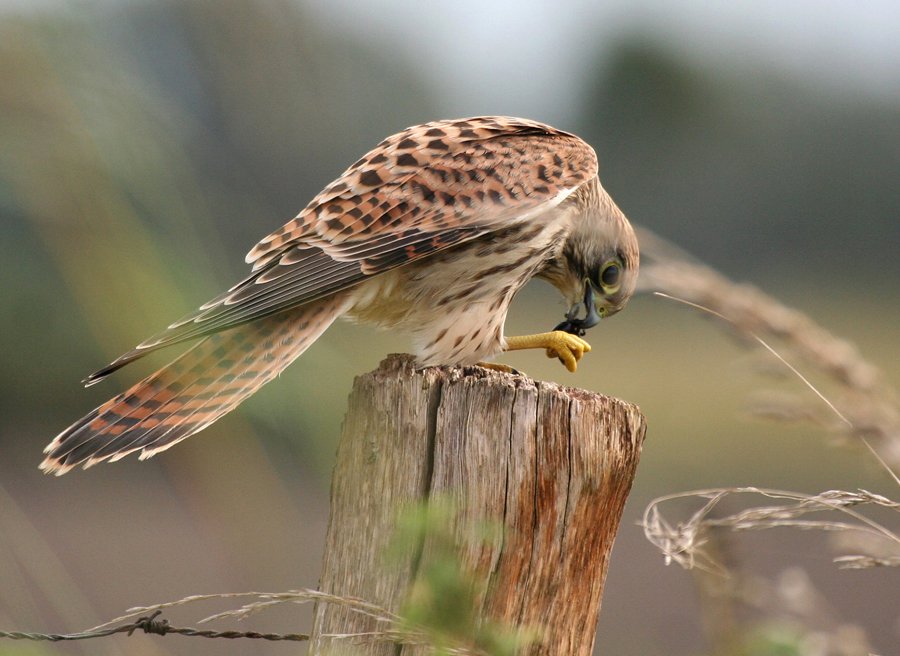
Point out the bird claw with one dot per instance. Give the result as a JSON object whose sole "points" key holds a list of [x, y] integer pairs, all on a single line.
{"points": [[496, 366], [568, 348]]}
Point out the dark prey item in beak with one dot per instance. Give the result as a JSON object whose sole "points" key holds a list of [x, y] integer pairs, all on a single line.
{"points": [[578, 327]]}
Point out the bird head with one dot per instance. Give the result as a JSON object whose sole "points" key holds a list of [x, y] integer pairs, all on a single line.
{"points": [[600, 262]]}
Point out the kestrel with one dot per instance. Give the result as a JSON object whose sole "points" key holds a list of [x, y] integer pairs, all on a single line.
{"points": [[431, 233]]}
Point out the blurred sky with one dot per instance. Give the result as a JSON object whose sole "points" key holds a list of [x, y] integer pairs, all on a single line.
{"points": [[531, 55], [534, 53]]}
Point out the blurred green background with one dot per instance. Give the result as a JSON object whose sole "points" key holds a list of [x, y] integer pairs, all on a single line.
{"points": [[146, 145]]}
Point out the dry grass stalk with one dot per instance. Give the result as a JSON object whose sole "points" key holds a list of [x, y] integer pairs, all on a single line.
{"points": [[266, 600], [857, 388], [685, 542], [860, 404]]}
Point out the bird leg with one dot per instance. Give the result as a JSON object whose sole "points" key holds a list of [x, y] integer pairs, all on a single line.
{"points": [[565, 346]]}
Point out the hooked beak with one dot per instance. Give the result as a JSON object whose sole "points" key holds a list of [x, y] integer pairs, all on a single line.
{"points": [[573, 324]]}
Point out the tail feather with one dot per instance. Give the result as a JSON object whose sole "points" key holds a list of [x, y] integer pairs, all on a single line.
{"points": [[189, 394]]}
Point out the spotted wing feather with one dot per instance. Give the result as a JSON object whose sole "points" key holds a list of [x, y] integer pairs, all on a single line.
{"points": [[420, 191]]}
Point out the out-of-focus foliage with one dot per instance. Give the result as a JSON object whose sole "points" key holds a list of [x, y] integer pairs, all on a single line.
{"points": [[442, 601]]}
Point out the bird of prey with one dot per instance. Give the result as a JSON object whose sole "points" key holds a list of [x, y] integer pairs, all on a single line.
{"points": [[431, 233]]}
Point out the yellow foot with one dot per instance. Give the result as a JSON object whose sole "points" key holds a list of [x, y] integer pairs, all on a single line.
{"points": [[496, 366], [568, 348]]}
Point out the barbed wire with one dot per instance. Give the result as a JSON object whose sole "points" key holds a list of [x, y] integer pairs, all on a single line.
{"points": [[151, 625]]}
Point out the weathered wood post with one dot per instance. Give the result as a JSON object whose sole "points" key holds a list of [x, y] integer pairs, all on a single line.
{"points": [[553, 465]]}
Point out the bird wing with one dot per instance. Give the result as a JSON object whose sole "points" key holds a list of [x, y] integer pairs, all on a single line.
{"points": [[418, 192]]}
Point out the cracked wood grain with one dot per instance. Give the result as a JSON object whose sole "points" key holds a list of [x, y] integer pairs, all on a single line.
{"points": [[552, 465]]}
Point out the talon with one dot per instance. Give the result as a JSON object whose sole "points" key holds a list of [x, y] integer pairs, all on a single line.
{"points": [[569, 348], [496, 366]]}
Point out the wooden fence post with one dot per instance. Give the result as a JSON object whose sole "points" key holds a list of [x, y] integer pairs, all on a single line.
{"points": [[552, 465]]}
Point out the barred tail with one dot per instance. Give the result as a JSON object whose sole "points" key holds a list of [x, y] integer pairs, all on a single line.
{"points": [[189, 394]]}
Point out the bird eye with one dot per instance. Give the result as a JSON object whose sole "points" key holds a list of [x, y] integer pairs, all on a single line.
{"points": [[610, 276]]}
